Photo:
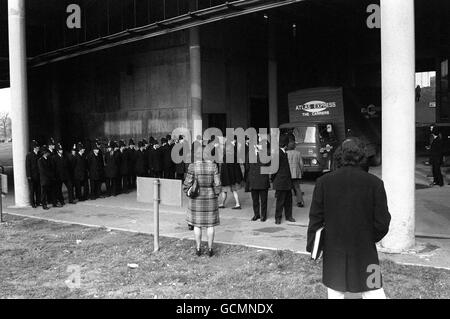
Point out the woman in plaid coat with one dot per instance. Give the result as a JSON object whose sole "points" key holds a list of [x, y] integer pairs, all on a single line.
{"points": [[203, 211]]}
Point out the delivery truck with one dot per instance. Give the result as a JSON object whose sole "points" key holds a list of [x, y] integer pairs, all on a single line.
{"points": [[321, 118]]}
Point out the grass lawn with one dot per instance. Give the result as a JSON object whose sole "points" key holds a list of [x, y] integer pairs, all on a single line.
{"points": [[34, 256]]}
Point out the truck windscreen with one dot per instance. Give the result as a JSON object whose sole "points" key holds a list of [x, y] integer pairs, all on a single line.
{"points": [[305, 134]]}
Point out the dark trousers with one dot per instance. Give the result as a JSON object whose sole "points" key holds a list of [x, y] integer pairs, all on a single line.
{"points": [[35, 192], [47, 195], [81, 189], [59, 193], [257, 196], [132, 181], [437, 174], [284, 201], [95, 188], [124, 181], [112, 186]]}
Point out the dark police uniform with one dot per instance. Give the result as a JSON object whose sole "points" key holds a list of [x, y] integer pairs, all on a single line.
{"points": [[124, 169], [46, 178], [140, 162], [80, 175], [32, 170], [112, 166], [95, 166], [63, 176]]}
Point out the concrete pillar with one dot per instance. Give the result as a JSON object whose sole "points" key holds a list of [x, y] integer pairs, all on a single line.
{"points": [[196, 82], [19, 97], [272, 77], [398, 120]]}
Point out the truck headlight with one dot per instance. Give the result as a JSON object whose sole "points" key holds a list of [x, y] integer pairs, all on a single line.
{"points": [[314, 161]]}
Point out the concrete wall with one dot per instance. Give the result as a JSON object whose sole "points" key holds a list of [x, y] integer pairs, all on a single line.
{"points": [[133, 91]]}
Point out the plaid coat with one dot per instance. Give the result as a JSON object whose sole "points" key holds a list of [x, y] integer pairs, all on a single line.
{"points": [[203, 211]]}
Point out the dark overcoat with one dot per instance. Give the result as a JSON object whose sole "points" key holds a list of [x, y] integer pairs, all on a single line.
{"points": [[256, 180], [351, 204], [62, 166], [155, 159], [46, 171], [32, 168], [124, 162], [80, 168], [131, 161], [95, 167], [140, 163], [112, 164], [282, 180], [437, 151], [166, 151]]}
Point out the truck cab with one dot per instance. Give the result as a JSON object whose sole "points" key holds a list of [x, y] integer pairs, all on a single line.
{"points": [[316, 143]]}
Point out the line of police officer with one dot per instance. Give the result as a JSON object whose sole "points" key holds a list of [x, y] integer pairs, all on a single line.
{"points": [[84, 171]]}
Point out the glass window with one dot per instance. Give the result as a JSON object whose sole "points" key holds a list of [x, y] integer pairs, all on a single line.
{"points": [[306, 134]]}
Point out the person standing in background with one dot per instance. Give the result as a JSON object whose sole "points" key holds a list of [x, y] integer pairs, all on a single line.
{"points": [[282, 183], [63, 177], [259, 183], [296, 167], [32, 171], [95, 166], [180, 168], [124, 169], [131, 163], [80, 174], [46, 178], [140, 163], [436, 156], [112, 166]]}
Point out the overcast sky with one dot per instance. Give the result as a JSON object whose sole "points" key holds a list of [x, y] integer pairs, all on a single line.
{"points": [[5, 101]]}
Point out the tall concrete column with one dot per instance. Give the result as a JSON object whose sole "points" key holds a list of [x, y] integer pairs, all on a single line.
{"points": [[196, 82], [398, 120], [19, 97], [272, 77]]}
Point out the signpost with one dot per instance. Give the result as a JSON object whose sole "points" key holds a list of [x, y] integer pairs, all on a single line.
{"points": [[160, 192]]}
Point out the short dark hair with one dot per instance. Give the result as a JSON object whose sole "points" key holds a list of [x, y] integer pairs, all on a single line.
{"points": [[352, 152]]}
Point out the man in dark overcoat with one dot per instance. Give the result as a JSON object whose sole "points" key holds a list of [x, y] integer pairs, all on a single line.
{"points": [[46, 178], [140, 162], [124, 169], [112, 166], [32, 171], [155, 161], [131, 163], [436, 157], [282, 184], [80, 174], [168, 164], [258, 183], [95, 166], [351, 204], [63, 176]]}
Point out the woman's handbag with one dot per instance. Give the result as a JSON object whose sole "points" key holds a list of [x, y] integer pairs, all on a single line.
{"points": [[194, 190]]}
